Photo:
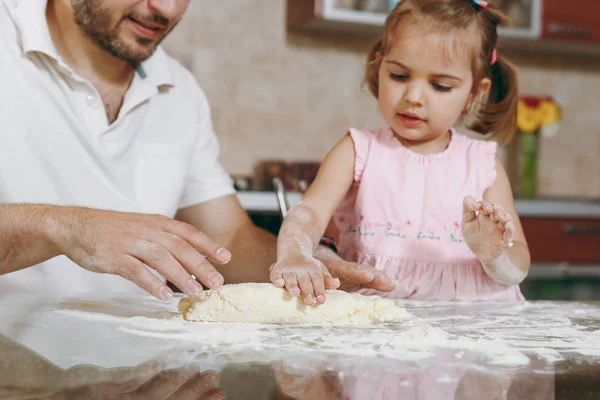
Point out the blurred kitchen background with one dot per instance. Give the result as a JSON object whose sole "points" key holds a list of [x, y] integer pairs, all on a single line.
{"points": [[284, 78]]}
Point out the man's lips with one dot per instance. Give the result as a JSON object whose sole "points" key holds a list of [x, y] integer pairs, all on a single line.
{"points": [[148, 25]]}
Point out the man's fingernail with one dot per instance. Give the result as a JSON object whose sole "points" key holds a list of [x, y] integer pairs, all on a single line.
{"points": [[165, 293], [223, 254], [310, 300], [320, 299], [215, 280], [194, 287]]}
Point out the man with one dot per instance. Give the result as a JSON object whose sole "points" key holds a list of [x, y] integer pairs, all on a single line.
{"points": [[103, 139]]}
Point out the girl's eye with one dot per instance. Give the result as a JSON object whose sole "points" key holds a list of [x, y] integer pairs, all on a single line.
{"points": [[441, 88], [399, 77]]}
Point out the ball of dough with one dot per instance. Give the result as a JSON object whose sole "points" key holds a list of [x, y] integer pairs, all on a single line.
{"points": [[265, 303]]}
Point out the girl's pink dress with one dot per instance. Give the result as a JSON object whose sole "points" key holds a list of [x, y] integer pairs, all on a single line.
{"points": [[403, 216]]}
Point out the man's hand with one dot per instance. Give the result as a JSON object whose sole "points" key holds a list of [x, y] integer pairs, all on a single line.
{"points": [[353, 276], [25, 374], [181, 383], [124, 243]]}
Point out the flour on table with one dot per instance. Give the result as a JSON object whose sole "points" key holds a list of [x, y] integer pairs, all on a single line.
{"points": [[267, 304]]}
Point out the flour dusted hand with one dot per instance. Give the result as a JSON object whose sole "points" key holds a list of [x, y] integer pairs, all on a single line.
{"points": [[488, 229], [267, 304], [303, 275]]}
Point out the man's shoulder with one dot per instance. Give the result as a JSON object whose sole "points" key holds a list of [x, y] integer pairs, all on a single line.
{"points": [[8, 31]]}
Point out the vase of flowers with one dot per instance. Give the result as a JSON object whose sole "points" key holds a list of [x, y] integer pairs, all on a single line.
{"points": [[536, 117]]}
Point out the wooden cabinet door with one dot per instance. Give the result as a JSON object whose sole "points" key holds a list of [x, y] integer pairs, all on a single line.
{"points": [[563, 239], [573, 20]]}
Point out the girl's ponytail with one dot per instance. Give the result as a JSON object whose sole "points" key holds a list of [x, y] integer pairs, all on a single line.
{"points": [[372, 69], [498, 113]]}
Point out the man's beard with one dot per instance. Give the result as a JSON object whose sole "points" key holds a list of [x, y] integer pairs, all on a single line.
{"points": [[95, 22]]}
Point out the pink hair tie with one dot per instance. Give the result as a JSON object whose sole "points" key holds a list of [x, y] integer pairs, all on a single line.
{"points": [[481, 3], [494, 57]]}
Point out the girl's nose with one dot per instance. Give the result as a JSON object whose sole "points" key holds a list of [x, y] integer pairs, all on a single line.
{"points": [[414, 94]]}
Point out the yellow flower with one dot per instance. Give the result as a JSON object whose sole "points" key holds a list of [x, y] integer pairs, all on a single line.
{"points": [[527, 119], [548, 112]]}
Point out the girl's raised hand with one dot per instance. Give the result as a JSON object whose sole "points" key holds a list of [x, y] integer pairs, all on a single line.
{"points": [[488, 229]]}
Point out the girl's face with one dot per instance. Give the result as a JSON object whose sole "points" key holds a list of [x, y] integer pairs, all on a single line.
{"points": [[425, 82]]}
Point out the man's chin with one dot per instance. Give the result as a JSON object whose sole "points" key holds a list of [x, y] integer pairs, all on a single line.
{"points": [[136, 50], [138, 54]]}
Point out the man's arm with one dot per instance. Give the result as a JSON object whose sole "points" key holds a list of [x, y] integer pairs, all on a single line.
{"points": [[111, 242], [225, 221], [24, 239]]}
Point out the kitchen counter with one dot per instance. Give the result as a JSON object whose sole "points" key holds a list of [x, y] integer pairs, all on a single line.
{"points": [[106, 344], [267, 202]]}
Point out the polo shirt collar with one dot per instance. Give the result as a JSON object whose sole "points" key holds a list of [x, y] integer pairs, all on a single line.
{"points": [[32, 27]]}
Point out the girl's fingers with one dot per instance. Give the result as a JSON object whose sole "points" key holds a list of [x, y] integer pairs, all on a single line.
{"points": [[486, 207], [494, 217], [509, 233], [277, 277], [318, 284], [306, 287], [469, 209], [291, 283]]}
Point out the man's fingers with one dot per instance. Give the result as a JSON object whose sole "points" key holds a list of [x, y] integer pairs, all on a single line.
{"points": [[382, 283], [191, 259], [332, 283], [355, 273], [164, 384], [204, 244], [134, 270], [159, 258], [469, 209], [203, 386], [214, 394]]}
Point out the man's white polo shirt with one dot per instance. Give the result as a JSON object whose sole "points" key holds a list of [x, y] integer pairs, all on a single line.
{"points": [[56, 146]]}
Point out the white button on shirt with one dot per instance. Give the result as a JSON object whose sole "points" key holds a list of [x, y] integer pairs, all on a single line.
{"points": [[57, 147]]}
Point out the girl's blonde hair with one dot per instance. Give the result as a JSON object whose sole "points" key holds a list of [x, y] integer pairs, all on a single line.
{"points": [[498, 113]]}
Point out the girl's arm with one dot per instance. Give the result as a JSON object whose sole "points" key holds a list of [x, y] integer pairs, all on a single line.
{"points": [[493, 231], [296, 268]]}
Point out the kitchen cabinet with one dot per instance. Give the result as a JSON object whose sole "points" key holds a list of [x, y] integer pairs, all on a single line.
{"points": [[539, 26], [577, 21], [568, 240]]}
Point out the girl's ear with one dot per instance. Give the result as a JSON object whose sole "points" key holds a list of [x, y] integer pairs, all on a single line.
{"points": [[484, 88]]}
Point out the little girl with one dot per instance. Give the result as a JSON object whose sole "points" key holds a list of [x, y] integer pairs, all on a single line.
{"points": [[418, 200]]}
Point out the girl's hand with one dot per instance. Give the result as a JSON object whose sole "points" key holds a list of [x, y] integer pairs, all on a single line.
{"points": [[302, 275], [488, 230]]}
